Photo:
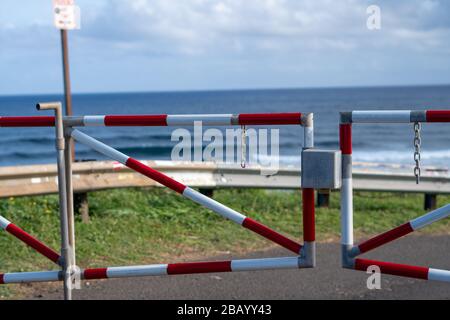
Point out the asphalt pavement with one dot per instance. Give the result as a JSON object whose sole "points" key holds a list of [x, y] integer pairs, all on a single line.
{"points": [[327, 281]]}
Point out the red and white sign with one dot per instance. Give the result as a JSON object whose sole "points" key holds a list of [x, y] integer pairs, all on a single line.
{"points": [[66, 14]]}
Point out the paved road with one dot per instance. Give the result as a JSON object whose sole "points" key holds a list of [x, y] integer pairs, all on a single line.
{"points": [[327, 281]]}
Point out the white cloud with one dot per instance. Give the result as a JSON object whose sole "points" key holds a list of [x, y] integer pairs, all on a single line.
{"points": [[236, 26], [218, 27], [129, 44]]}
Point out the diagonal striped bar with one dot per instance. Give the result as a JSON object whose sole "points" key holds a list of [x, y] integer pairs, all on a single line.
{"points": [[29, 240], [189, 193], [402, 230]]}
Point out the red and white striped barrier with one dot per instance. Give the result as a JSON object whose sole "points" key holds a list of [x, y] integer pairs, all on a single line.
{"points": [[402, 230], [29, 240], [160, 270], [27, 121], [189, 193], [349, 250], [304, 255], [292, 118], [404, 270], [397, 116]]}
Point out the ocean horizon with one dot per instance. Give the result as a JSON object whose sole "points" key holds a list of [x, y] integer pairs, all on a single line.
{"points": [[391, 143]]}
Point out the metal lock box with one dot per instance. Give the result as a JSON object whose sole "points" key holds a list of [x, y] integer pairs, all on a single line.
{"points": [[321, 169]]}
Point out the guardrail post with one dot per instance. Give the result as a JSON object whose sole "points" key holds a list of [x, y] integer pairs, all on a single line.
{"points": [[430, 201], [66, 249], [323, 198], [207, 192], [82, 205]]}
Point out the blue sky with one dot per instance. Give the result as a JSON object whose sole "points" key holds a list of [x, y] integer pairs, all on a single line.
{"points": [[154, 45]]}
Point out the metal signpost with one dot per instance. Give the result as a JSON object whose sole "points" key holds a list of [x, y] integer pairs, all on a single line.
{"points": [[67, 17]]}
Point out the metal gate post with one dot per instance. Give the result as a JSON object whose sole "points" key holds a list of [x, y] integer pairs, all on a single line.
{"points": [[66, 252], [345, 142], [68, 141], [309, 233]]}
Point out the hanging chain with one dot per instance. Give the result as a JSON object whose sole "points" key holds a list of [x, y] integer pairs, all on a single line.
{"points": [[417, 144], [243, 146]]}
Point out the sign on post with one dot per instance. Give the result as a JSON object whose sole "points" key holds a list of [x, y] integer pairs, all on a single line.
{"points": [[66, 14]]}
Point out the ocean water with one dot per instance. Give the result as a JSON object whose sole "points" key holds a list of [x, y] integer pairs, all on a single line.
{"points": [[391, 143]]}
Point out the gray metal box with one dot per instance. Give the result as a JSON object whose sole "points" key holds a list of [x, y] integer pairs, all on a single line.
{"points": [[321, 169]]}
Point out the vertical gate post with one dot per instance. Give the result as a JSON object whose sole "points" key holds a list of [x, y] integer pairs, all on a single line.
{"points": [[308, 203], [345, 142], [66, 250], [68, 153]]}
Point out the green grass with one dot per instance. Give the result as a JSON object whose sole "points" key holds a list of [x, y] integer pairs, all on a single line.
{"points": [[133, 226]]}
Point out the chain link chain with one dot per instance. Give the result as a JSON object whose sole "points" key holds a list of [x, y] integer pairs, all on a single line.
{"points": [[243, 146], [417, 145]]}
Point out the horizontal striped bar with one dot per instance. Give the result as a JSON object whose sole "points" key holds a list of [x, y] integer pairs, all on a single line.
{"points": [[438, 115], [400, 116], [199, 267], [404, 270], [130, 120], [159, 120], [388, 116], [159, 270], [189, 119], [93, 121], [29, 240], [189, 193], [265, 264], [27, 277], [136, 271], [206, 119], [97, 273], [269, 118], [27, 121]]}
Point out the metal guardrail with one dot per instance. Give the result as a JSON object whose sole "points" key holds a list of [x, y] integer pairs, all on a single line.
{"points": [[399, 178], [102, 175]]}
